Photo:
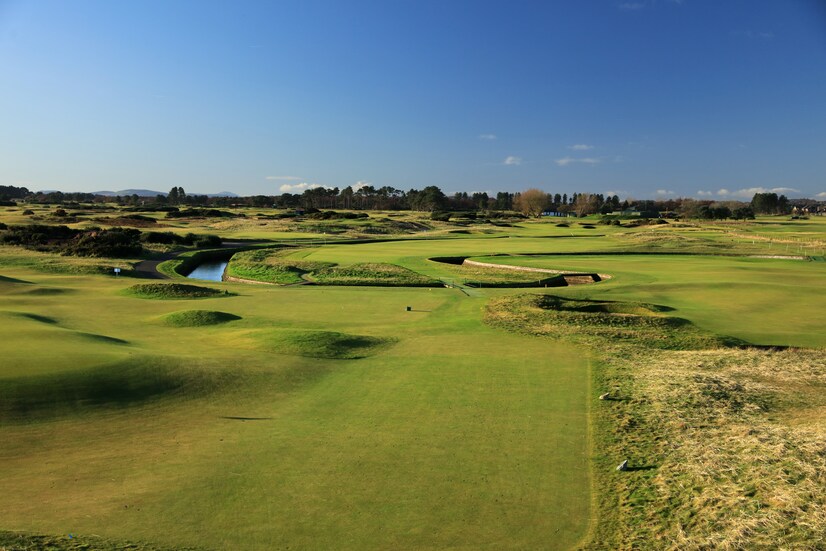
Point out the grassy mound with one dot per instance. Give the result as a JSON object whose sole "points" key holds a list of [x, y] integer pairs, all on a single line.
{"points": [[198, 318], [113, 386], [6, 279], [382, 275], [31, 316], [585, 319], [271, 266], [173, 291], [324, 344]]}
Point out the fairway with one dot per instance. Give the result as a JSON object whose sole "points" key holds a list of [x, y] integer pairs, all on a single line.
{"points": [[455, 435]]}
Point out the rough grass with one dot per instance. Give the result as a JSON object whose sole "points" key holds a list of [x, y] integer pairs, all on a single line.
{"points": [[373, 274], [271, 266], [726, 445], [323, 344], [198, 318], [18, 541], [173, 291]]}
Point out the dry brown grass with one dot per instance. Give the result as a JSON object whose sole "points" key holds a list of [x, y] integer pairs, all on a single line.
{"points": [[727, 445]]}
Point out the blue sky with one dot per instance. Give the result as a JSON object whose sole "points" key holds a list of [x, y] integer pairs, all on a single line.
{"points": [[643, 98]]}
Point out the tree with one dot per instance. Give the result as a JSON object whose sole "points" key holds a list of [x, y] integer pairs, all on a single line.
{"points": [[586, 203], [504, 201], [742, 213], [531, 202], [172, 196], [766, 203]]}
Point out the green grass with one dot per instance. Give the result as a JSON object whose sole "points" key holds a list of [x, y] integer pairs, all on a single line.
{"points": [[451, 448]]}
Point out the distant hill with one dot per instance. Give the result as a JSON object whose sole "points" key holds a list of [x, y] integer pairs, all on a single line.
{"points": [[220, 194], [125, 192]]}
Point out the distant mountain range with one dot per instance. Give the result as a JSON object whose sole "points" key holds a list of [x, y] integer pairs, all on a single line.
{"points": [[151, 193]]}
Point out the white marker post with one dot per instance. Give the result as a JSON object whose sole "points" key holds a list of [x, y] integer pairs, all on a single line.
{"points": [[117, 272]]}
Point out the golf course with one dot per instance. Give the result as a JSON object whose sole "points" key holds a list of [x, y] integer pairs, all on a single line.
{"points": [[449, 386]]}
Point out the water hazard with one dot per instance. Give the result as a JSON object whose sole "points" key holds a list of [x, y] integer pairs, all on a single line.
{"points": [[210, 271]]}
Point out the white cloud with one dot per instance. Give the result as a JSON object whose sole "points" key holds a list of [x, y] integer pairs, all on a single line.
{"points": [[821, 195], [748, 193], [511, 160], [618, 193], [664, 192], [295, 188], [565, 161], [580, 147], [284, 178], [360, 184], [487, 136], [702, 193]]}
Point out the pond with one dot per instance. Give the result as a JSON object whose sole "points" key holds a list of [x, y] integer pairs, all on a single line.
{"points": [[211, 271]]}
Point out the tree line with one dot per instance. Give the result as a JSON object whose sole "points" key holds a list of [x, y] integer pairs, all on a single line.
{"points": [[531, 202]]}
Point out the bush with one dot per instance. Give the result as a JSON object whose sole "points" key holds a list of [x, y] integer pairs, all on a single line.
{"points": [[115, 242]]}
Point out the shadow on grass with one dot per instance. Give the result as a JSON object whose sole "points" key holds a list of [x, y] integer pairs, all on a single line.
{"points": [[7, 279]]}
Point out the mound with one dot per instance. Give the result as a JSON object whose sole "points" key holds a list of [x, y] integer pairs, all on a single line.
{"points": [[198, 318], [49, 291], [33, 317], [627, 321], [174, 291], [373, 274], [118, 385], [324, 344], [6, 279]]}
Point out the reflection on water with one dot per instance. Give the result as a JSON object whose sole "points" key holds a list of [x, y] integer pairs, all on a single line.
{"points": [[211, 271]]}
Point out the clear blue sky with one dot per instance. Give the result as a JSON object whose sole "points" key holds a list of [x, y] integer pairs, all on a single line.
{"points": [[643, 98]]}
